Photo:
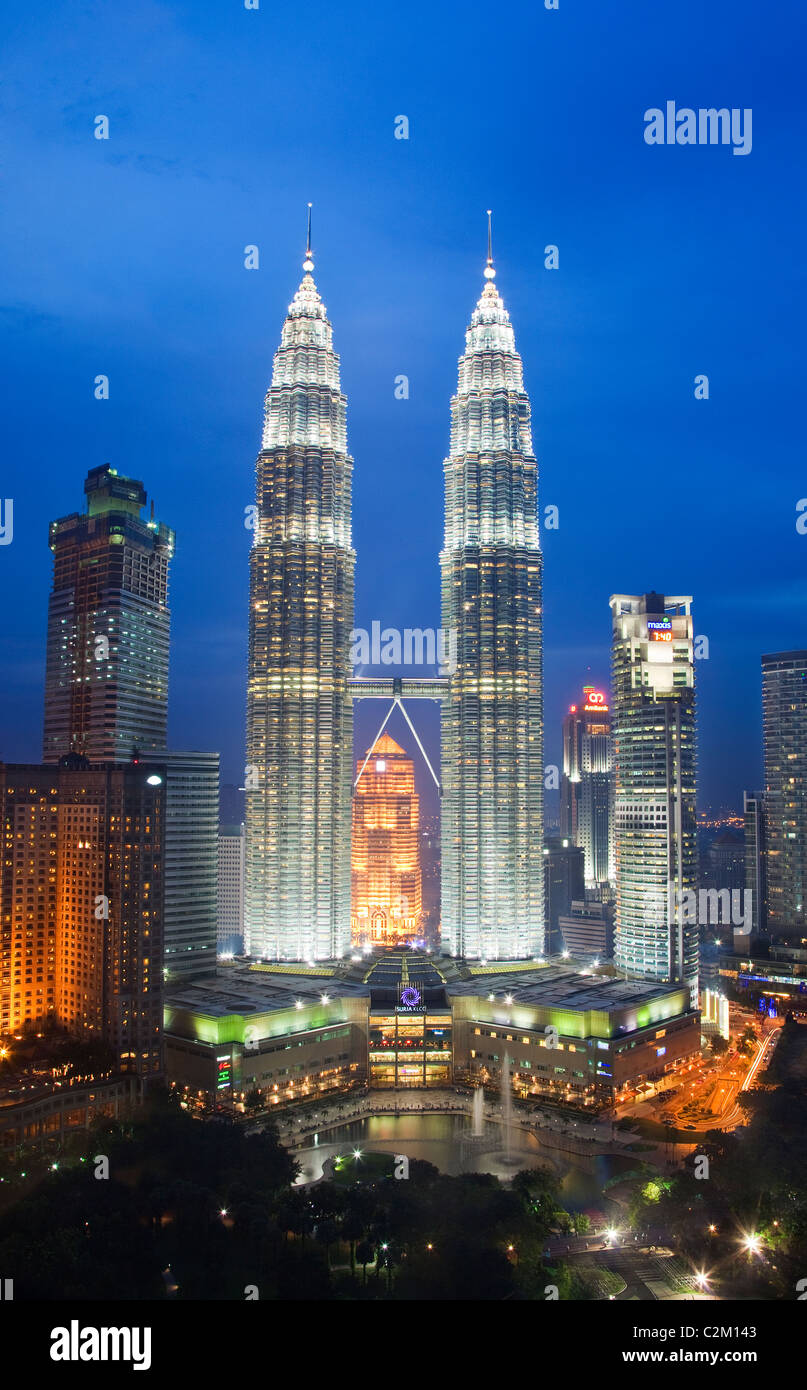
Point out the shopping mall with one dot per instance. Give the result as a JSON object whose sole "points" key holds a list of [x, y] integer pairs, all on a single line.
{"points": [[402, 1019]]}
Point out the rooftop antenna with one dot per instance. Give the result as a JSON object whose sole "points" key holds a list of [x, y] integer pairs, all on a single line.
{"points": [[490, 273], [308, 264]]}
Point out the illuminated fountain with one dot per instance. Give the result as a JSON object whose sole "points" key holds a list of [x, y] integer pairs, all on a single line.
{"points": [[475, 1141], [478, 1113], [507, 1109]]}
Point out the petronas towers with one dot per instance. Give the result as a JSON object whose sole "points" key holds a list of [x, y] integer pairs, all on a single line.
{"points": [[299, 700], [492, 721], [299, 710]]}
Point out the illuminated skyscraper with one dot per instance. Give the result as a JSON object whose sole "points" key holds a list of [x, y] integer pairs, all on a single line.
{"points": [[106, 679], [586, 788], [106, 692], [299, 711], [492, 722], [655, 818], [784, 726], [386, 904], [81, 903]]}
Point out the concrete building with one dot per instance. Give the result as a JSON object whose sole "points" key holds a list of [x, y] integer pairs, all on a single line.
{"points": [[587, 930], [191, 864], [230, 938], [81, 900], [409, 1023], [564, 882]]}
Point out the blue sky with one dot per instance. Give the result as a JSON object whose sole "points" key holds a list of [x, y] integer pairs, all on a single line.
{"points": [[125, 257]]}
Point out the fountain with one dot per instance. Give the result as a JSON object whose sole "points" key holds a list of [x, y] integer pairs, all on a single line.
{"points": [[507, 1109], [474, 1141]]}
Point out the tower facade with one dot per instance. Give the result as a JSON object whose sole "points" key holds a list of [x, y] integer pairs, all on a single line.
{"points": [[756, 859], [386, 878], [586, 788], [655, 814], [299, 711], [106, 678], [81, 903], [492, 719], [784, 729]]}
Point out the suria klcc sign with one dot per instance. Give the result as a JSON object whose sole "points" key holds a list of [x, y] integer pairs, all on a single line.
{"points": [[410, 1001]]}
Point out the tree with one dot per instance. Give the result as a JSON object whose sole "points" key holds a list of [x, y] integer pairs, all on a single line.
{"points": [[365, 1254]]}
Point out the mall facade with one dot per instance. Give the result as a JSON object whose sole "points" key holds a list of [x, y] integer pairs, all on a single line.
{"points": [[402, 1020]]}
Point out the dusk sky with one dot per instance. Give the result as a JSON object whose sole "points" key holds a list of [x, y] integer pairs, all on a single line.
{"points": [[126, 257]]}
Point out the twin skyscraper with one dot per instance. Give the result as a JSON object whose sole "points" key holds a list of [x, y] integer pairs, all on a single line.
{"points": [[300, 683]]}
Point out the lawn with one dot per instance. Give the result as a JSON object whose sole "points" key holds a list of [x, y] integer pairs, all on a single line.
{"points": [[369, 1168]]}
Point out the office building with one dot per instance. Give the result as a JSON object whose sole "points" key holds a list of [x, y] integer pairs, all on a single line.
{"points": [[81, 904], [587, 786], [230, 940], [386, 888], [563, 884], [784, 728], [492, 720], [299, 710], [191, 864], [755, 859], [106, 678], [655, 766], [587, 930]]}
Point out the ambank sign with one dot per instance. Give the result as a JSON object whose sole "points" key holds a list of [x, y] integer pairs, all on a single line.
{"points": [[595, 700]]}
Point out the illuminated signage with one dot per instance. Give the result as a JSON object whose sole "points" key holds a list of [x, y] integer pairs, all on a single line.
{"points": [[659, 629], [224, 1074], [410, 997], [595, 699]]}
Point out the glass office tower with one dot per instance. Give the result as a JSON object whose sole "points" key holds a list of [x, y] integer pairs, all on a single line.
{"points": [[655, 817], [587, 784], [106, 678], [784, 728]]}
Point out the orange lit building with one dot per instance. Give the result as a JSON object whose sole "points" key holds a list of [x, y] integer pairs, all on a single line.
{"points": [[81, 898], [386, 878]]}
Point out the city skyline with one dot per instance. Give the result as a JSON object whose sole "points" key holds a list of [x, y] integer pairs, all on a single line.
{"points": [[608, 399], [403, 896], [429, 734]]}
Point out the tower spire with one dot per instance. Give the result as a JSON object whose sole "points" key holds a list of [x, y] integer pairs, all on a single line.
{"points": [[308, 263], [490, 273]]}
